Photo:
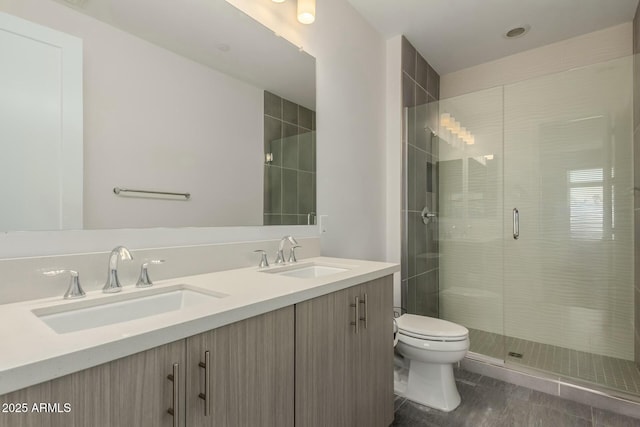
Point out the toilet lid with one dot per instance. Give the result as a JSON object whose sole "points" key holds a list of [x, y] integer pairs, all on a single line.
{"points": [[430, 327]]}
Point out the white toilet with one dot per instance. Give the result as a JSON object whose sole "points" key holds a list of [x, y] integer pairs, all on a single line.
{"points": [[430, 347]]}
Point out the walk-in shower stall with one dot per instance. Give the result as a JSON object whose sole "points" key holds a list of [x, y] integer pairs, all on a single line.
{"points": [[527, 222]]}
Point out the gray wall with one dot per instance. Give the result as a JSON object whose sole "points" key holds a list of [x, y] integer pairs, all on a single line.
{"points": [[636, 171], [420, 91], [290, 179]]}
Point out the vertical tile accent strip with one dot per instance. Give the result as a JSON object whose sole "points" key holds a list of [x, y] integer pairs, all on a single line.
{"points": [[419, 241]]}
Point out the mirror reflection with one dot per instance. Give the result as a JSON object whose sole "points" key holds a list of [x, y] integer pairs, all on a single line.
{"points": [[207, 115]]}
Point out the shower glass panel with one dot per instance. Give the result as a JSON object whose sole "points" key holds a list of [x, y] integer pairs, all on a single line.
{"points": [[568, 167], [471, 217], [420, 245]]}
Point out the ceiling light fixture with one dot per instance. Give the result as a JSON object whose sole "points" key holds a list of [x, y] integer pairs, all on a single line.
{"points": [[223, 47], [306, 11], [278, 1], [516, 32]]}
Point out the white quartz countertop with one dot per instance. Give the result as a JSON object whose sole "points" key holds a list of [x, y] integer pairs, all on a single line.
{"points": [[31, 352]]}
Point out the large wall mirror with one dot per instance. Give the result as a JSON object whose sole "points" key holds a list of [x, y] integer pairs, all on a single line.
{"points": [[197, 116]]}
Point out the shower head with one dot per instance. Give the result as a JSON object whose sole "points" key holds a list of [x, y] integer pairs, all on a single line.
{"points": [[431, 131]]}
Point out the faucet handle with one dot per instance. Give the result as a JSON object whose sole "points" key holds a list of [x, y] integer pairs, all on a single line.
{"points": [[74, 290], [264, 262], [144, 281], [292, 253]]}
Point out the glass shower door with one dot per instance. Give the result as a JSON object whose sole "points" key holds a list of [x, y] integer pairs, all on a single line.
{"points": [[470, 217], [568, 206]]}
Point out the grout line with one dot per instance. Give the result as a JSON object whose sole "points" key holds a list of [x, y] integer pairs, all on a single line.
{"points": [[288, 123], [419, 85], [404, 400], [630, 373], [422, 274], [424, 151], [621, 374], [536, 355], [290, 169]]}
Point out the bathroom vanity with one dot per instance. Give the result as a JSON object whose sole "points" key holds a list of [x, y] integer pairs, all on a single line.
{"points": [[307, 344]]}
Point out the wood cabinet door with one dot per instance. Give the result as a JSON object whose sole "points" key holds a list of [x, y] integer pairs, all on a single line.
{"points": [[132, 391], [216, 342], [326, 360], [375, 380], [141, 392], [251, 373]]}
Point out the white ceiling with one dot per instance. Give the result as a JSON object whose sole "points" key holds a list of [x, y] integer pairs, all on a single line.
{"points": [[456, 34], [216, 34]]}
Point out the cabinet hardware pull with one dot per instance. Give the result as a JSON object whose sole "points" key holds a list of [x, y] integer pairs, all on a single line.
{"points": [[206, 396], [357, 317], [175, 379], [366, 311], [516, 224]]}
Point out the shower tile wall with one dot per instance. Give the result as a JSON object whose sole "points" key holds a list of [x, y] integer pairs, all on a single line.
{"points": [[290, 177], [421, 90], [636, 184]]}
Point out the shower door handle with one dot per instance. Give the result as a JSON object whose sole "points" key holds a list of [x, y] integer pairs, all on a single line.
{"points": [[516, 223]]}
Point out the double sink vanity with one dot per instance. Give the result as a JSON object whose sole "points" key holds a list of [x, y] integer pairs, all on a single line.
{"points": [[305, 343]]}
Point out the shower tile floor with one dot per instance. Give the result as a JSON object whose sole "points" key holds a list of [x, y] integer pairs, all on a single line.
{"points": [[615, 374], [493, 403]]}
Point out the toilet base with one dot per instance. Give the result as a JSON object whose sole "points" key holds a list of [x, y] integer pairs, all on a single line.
{"points": [[432, 385]]}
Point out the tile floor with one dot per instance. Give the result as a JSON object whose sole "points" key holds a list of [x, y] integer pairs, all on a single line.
{"points": [[609, 372], [487, 402]]}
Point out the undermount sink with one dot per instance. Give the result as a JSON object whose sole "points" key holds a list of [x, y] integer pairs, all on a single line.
{"points": [[306, 271], [120, 308]]}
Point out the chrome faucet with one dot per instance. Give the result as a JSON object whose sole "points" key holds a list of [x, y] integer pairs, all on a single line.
{"points": [[113, 284], [280, 254]]}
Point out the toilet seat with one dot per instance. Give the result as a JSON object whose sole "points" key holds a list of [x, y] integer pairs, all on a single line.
{"points": [[431, 329], [434, 345], [435, 338]]}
